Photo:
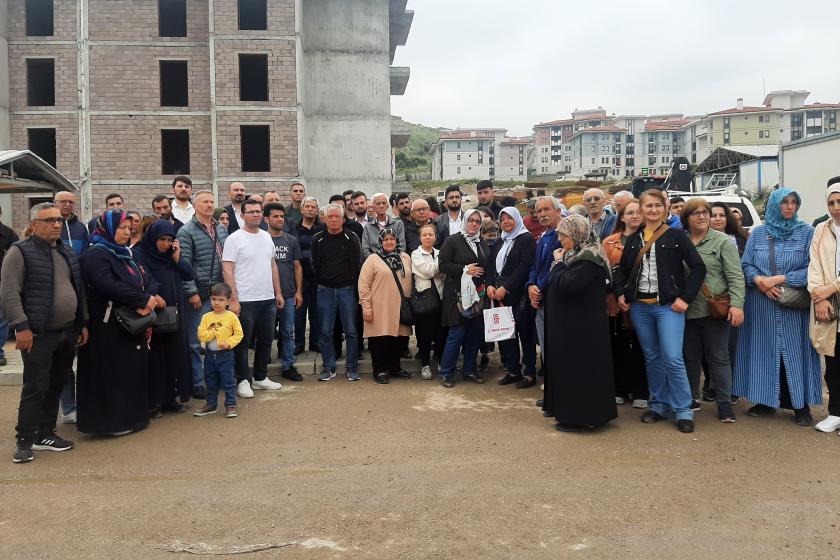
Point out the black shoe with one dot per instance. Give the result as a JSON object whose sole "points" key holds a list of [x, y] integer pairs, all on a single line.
{"points": [[725, 413], [173, 407], [547, 414], [526, 382], [567, 428], [651, 417], [539, 403], [23, 452], [447, 381], [3, 362], [474, 378], [381, 378], [298, 350], [695, 405], [402, 374], [802, 417], [508, 379], [761, 410], [291, 374], [685, 426], [483, 362], [51, 442], [199, 393], [709, 395], [155, 413]]}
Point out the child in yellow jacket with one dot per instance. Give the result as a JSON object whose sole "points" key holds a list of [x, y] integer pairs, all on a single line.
{"points": [[221, 332]]}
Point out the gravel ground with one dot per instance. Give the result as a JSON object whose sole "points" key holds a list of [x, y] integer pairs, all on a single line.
{"points": [[413, 470]]}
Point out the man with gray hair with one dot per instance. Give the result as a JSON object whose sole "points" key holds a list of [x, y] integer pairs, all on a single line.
{"points": [[381, 220], [548, 213], [602, 222], [620, 200], [44, 301]]}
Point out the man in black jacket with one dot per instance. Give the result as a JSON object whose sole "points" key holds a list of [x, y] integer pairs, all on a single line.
{"points": [[450, 221], [487, 197], [236, 194], [336, 262], [42, 294]]}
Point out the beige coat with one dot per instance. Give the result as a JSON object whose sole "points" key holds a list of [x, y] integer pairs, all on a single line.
{"points": [[822, 271], [378, 292]]}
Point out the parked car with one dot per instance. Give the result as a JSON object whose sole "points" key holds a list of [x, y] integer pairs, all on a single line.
{"points": [[733, 200]]}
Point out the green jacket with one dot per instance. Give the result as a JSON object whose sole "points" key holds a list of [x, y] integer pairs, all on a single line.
{"points": [[723, 273]]}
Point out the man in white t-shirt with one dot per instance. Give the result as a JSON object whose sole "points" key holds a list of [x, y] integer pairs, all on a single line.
{"points": [[248, 267]]}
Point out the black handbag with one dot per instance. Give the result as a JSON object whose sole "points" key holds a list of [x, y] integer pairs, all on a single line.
{"points": [[794, 298], [426, 302], [406, 311], [168, 321], [132, 322]]}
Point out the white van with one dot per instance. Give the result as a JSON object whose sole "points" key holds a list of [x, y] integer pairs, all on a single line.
{"points": [[733, 200]]}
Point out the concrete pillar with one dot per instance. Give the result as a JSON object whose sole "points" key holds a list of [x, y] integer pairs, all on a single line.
{"points": [[5, 131]]}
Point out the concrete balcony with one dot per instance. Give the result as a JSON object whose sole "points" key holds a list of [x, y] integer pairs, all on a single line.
{"points": [[399, 79], [400, 24]]}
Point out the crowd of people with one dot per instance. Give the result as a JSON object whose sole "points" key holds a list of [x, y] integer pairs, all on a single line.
{"points": [[630, 300]]}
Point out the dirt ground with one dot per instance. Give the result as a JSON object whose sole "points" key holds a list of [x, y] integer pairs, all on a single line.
{"points": [[412, 470]]}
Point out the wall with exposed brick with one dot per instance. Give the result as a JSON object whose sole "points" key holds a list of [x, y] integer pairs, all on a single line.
{"points": [[280, 18], [128, 78], [284, 144], [137, 20], [282, 84], [66, 138], [66, 82], [64, 21]]}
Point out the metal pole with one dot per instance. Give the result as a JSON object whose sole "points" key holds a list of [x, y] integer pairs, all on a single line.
{"points": [[214, 149], [83, 81]]}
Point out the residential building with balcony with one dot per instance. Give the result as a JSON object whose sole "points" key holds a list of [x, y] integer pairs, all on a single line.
{"points": [[480, 153]]}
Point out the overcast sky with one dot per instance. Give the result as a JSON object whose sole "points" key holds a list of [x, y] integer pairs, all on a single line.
{"points": [[513, 63]]}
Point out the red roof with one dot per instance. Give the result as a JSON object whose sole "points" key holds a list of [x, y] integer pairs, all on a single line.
{"points": [[735, 110]]}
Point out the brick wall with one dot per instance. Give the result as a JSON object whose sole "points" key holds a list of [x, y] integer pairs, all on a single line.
{"points": [[137, 20], [64, 21], [66, 82], [282, 83], [280, 21], [283, 131]]}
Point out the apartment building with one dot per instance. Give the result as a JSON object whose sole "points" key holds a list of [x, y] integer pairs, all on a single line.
{"points": [[480, 153], [122, 95], [553, 153]]}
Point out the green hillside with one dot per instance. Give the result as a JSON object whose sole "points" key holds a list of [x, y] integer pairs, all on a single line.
{"points": [[415, 156]]}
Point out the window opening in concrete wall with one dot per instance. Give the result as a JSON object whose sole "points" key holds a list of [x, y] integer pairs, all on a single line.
{"points": [[253, 77], [256, 147], [172, 18], [174, 83], [39, 18], [41, 142], [175, 152], [253, 15], [40, 82]]}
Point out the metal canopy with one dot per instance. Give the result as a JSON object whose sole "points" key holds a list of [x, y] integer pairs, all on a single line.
{"points": [[21, 171], [727, 159]]}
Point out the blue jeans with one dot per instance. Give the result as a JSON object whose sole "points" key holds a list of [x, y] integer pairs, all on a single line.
{"points": [[286, 333], [256, 317], [468, 335], [4, 336], [660, 331], [68, 395], [219, 372], [343, 302], [310, 305], [196, 351]]}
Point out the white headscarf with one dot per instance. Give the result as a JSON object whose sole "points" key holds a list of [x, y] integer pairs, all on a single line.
{"points": [[508, 238], [472, 240]]}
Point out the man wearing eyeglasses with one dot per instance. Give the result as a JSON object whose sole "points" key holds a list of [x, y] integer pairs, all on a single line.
{"points": [[44, 301], [602, 222]]}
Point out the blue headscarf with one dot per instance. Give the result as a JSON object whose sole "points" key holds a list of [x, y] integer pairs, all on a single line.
{"points": [[106, 228], [777, 226]]}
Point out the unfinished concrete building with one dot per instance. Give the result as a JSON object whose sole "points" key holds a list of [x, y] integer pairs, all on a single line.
{"points": [[123, 95]]}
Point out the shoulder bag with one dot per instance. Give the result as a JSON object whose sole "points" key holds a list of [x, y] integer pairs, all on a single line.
{"points": [[167, 321], [406, 311], [204, 289], [718, 304], [132, 322], [794, 298]]}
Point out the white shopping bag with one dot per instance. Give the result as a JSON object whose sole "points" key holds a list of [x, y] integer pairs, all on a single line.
{"points": [[499, 324]]}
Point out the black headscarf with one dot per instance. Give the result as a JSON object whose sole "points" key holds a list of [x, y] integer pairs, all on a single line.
{"points": [[392, 258], [148, 245]]}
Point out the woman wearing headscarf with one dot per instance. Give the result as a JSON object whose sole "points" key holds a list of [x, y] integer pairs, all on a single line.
{"points": [[824, 286], [579, 387], [113, 377], [776, 366], [463, 259], [380, 298], [170, 374], [510, 262]]}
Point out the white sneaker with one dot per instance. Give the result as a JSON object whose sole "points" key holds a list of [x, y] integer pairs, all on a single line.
{"points": [[830, 424], [426, 372], [243, 389], [69, 418], [619, 400], [265, 384], [639, 403]]}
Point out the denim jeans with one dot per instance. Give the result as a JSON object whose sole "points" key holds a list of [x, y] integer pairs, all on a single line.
{"points": [[4, 336], [707, 338], [45, 371], [68, 395], [660, 331], [341, 301], [468, 335], [196, 351], [310, 305], [286, 333], [219, 373], [257, 318]]}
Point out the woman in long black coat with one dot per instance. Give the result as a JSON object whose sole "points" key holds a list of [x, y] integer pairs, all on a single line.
{"points": [[579, 390], [112, 384], [170, 373], [510, 262]]}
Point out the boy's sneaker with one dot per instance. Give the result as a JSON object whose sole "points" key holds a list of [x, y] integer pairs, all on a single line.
{"points": [[51, 442], [353, 376], [23, 452], [292, 374], [230, 412], [326, 375], [205, 410], [243, 389], [426, 372], [265, 384]]}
